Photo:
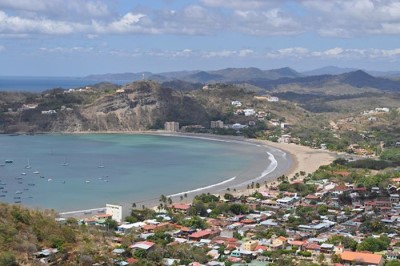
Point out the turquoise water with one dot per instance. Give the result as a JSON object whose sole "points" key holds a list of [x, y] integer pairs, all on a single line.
{"points": [[135, 168]]}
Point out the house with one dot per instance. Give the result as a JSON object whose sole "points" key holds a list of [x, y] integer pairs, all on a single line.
{"points": [[181, 207], [279, 243], [145, 245], [249, 112], [236, 103], [250, 245], [196, 236], [361, 258]]}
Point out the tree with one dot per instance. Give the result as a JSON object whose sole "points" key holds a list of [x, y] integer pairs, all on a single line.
{"points": [[163, 199], [169, 201], [322, 210], [133, 205], [374, 244], [8, 259], [257, 185]]}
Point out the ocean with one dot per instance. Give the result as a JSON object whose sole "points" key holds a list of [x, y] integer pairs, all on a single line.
{"points": [[82, 171], [39, 84]]}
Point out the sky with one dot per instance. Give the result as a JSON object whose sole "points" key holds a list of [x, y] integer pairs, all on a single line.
{"points": [[81, 37]]}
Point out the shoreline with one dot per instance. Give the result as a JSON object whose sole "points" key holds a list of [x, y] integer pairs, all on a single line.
{"points": [[298, 158]]}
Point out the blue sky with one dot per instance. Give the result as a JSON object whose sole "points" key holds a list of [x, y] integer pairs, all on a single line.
{"points": [[81, 37]]}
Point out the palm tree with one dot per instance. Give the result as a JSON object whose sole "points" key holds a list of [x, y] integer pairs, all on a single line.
{"points": [[133, 205], [163, 199]]}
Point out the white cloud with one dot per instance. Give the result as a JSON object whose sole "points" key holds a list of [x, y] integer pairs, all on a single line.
{"points": [[342, 18], [74, 49], [19, 25], [271, 22], [59, 8], [239, 4], [128, 23], [334, 53], [297, 52]]}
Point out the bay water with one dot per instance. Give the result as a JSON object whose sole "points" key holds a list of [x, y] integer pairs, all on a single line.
{"points": [[81, 171]]}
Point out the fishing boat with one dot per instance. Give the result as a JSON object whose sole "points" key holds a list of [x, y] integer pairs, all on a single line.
{"points": [[8, 161]]}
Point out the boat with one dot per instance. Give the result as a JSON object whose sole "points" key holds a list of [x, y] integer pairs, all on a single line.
{"points": [[87, 181], [65, 163], [17, 201], [36, 172], [23, 173], [41, 176], [18, 192], [100, 166], [18, 177], [17, 197], [28, 165], [31, 184], [49, 179], [8, 161]]}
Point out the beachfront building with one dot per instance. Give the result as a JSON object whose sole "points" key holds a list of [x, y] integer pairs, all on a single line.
{"points": [[115, 211], [217, 124], [171, 126]]}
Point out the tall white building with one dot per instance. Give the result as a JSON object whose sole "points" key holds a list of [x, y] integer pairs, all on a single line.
{"points": [[171, 126]]}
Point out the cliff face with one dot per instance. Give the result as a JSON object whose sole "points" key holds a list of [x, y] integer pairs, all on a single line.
{"points": [[137, 106]]}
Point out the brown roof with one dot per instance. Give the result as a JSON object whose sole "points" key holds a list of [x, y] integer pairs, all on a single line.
{"points": [[367, 258], [200, 234], [310, 196], [183, 207]]}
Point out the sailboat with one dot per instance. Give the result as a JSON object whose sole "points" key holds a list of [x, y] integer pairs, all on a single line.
{"points": [[28, 165], [100, 165], [65, 163]]}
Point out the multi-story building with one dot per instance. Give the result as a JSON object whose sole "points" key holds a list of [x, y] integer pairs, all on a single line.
{"points": [[217, 124], [171, 126]]}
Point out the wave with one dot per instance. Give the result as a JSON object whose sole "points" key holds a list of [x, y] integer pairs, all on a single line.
{"points": [[194, 137], [203, 188], [271, 167]]}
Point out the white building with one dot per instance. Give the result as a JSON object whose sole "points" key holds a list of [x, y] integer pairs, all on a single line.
{"points": [[217, 124], [115, 211], [249, 112], [236, 103], [171, 126]]}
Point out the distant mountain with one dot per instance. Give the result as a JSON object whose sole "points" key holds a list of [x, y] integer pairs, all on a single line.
{"points": [[285, 72], [328, 70], [119, 76], [347, 83], [222, 75]]}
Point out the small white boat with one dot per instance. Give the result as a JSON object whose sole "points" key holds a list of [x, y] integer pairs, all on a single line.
{"points": [[36, 172], [49, 179], [87, 181], [23, 173], [18, 192]]}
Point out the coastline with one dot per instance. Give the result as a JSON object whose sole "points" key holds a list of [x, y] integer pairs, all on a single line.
{"points": [[294, 158]]}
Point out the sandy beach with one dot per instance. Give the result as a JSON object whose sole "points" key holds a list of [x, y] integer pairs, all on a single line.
{"points": [[302, 158]]}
